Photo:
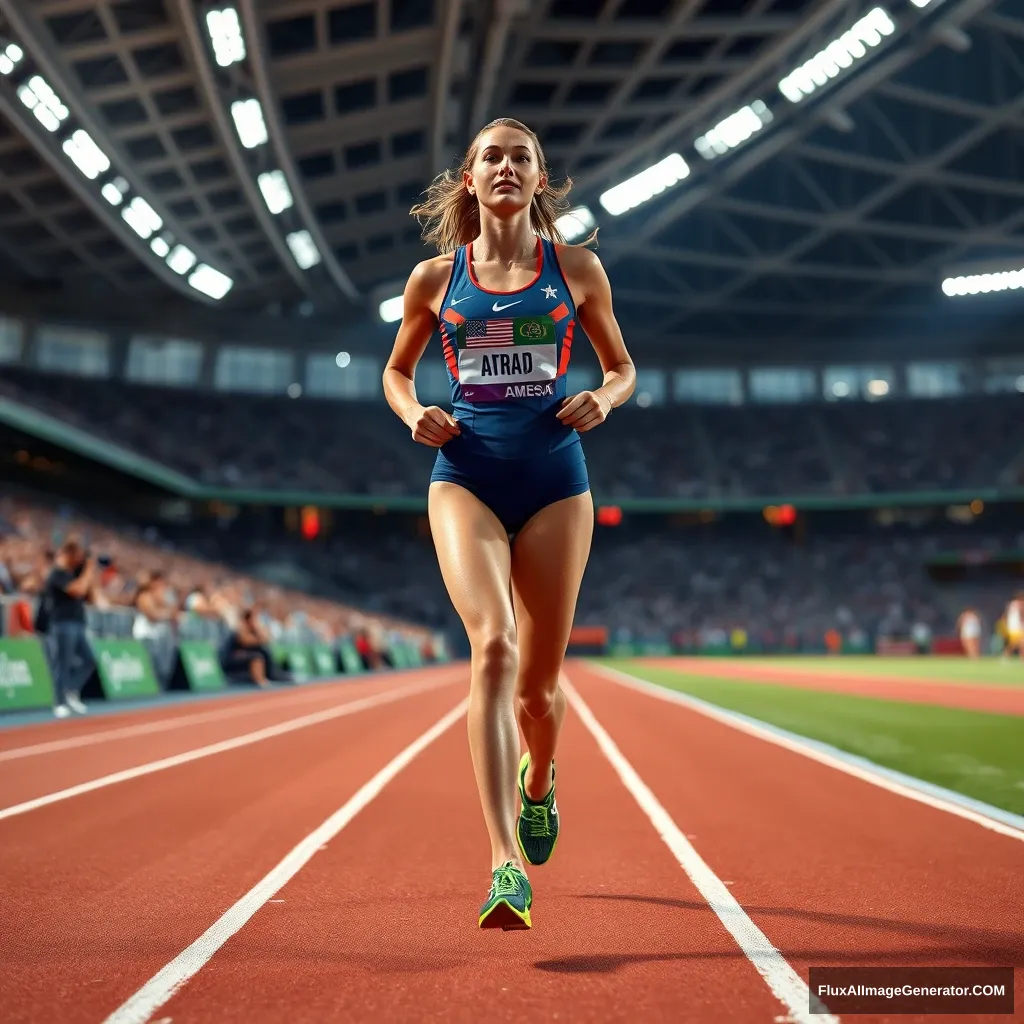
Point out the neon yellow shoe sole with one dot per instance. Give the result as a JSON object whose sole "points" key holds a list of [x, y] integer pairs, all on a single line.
{"points": [[504, 916], [509, 900]]}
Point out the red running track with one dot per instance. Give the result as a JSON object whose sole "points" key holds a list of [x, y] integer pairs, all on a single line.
{"points": [[108, 887]]}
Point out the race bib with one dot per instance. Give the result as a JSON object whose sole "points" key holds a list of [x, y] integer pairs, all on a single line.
{"points": [[505, 359]]}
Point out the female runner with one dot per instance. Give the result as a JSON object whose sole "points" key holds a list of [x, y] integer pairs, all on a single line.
{"points": [[509, 502]]}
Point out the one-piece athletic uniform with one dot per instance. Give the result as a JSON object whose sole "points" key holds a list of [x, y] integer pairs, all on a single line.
{"points": [[507, 354]]}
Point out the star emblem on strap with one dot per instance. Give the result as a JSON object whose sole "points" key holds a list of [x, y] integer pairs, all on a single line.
{"points": [[550, 293]]}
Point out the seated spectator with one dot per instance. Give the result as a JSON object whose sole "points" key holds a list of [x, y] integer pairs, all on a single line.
{"points": [[246, 652]]}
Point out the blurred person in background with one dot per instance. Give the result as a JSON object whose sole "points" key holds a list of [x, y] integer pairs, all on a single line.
{"points": [[968, 627], [921, 635], [246, 653], [1014, 623], [67, 587], [6, 578], [199, 601], [509, 463], [17, 566], [110, 588], [154, 623], [364, 649]]}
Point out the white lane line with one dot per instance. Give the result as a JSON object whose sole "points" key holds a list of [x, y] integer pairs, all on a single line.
{"points": [[163, 985], [786, 985], [289, 725], [992, 818], [244, 707]]}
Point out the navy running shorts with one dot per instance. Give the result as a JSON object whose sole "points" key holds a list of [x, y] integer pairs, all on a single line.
{"points": [[514, 489]]}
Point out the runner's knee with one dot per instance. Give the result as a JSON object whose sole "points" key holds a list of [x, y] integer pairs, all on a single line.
{"points": [[495, 653], [537, 701]]}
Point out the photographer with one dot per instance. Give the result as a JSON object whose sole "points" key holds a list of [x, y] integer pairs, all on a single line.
{"points": [[67, 588]]}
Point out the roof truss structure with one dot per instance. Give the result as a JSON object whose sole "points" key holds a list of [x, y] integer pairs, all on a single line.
{"points": [[836, 222]]}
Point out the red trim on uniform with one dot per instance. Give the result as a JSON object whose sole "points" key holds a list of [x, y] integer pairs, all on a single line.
{"points": [[448, 348], [453, 316], [515, 291], [566, 348], [559, 312]]}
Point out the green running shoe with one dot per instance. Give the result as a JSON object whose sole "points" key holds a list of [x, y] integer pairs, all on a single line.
{"points": [[537, 827], [509, 901]]}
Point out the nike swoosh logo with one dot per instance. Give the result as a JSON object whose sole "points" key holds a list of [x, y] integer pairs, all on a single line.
{"points": [[498, 309], [455, 302]]}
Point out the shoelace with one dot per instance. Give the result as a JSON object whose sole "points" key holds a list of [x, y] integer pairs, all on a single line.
{"points": [[538, 823], [505, 881]]}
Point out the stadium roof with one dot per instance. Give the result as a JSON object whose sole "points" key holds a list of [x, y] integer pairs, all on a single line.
{"points": [[152, 150]]}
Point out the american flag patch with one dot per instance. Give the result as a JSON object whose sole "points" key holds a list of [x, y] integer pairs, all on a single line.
{"points": [[488, 333]]}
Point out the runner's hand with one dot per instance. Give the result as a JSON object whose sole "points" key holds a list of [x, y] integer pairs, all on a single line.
{"points": [[585, 410], [433, 426]]}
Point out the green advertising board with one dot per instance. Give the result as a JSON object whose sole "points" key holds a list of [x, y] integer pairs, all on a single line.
{"points": [[653, 648], [324, 661], [351, 663], [201, 666], [124, 669], [25, 680], [299, 662]]}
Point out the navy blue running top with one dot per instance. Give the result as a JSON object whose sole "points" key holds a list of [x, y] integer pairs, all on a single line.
{"points": [[507, 355]]}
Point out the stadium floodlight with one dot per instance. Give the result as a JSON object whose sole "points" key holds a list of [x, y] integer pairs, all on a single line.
{"points": [[645, 185], [114, 191], [920, 3], [141, 217], [182, 259], [391, 309], [160, 246], [734, 130], [578, 222], [210, 282], [249, 123], [853, 45], [342, 359], [38, 95], [86, 155], [303, 249], [840, 389], [878, 388], [226, 35], [10, 58], [276, 193], [973, 284], [294, 390]]}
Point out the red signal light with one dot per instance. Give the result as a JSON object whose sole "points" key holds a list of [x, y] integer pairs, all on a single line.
{"points": [[310, 523]]}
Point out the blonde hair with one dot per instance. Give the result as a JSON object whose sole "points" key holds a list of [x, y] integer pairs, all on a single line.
{"points": [[450, 215]]}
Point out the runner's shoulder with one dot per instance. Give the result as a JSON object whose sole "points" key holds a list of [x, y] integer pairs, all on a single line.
{"points": [[431, 274]]}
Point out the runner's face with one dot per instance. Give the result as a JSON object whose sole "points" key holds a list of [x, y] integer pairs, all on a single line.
{"points": [[506, 173]]}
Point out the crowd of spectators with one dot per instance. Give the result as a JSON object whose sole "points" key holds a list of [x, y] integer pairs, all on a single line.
{"points": [[259, 442], [56, 565], [675, 584], [644, 582], [679, 584]]}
